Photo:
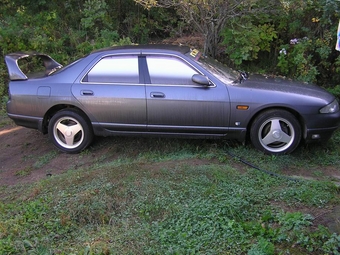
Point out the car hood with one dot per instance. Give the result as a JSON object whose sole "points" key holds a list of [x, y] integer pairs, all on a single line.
{"points": [[267, 83]]}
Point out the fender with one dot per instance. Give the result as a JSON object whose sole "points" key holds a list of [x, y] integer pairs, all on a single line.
{"points": [[16, 74]]}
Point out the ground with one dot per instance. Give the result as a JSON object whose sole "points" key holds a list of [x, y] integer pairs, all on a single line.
{"points": [[23, 149], [27, 156]]}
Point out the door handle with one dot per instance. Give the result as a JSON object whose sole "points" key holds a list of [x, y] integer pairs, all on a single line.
{"points": [[86, 93], [157, 95]]}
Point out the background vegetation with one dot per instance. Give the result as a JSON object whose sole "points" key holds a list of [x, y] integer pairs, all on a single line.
{"points": [[293, 38]]}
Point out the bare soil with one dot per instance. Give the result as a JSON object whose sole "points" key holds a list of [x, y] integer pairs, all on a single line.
{"points": [[21, 149]]}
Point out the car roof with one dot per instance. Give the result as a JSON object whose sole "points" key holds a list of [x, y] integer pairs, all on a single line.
{"points": [[147, 47]]}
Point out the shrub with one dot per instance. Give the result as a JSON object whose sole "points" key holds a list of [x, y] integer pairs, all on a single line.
{"points": [[246, 42]]}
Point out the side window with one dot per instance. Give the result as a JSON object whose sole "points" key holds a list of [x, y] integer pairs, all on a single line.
{"points": [[115, 69], [169, 70]]}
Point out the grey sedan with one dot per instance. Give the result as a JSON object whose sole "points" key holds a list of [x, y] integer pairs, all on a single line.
{"points": [[165, 90]]}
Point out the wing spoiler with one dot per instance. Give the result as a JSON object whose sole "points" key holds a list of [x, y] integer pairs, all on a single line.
{"points": [[15, 73]]}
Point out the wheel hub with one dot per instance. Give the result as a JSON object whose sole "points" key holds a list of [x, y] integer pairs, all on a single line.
{"points": [[68, 132], [276, 134]]}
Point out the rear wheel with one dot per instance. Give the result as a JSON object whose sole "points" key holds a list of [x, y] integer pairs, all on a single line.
{"points": [[69, 131], [276, 132]]}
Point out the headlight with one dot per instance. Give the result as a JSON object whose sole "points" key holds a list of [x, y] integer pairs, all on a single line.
{"points": [[331, 108]]}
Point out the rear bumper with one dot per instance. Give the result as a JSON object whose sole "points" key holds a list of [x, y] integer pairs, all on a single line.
{"points": [[27, 121]]}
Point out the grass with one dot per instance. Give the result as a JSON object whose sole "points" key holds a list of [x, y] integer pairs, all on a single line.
{"points": [[44, 159], [4, 120], [160, 196]]}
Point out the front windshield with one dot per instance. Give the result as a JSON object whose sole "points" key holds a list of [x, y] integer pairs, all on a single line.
{"points": [[219, 70]]}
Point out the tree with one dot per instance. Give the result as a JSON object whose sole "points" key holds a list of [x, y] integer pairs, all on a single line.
{"points": [[209, 17]]}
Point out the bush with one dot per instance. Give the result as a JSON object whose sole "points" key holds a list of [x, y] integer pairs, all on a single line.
{"points": [[246, 43], [299, 35], [296, 61]]}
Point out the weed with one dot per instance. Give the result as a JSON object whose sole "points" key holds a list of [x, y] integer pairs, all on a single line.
{"points": [[45, 159], [262, 247], [4, 121], [24, 172]]}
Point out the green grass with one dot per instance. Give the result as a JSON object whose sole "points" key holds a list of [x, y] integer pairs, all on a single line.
{"points": [[44, 159], [4, 120], [160, 196]]}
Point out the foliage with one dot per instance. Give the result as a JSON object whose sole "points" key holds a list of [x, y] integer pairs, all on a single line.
{"points": [[310, 55], [262, 247], [154, 24], [290, 38], [298, 62], [70, 29], [208, 17], [95, 15], [243, 43], [3, 88], [302, 36], [335, 91]]}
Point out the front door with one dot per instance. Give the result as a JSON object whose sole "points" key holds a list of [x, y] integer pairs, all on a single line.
{"points": [[175, 104]]}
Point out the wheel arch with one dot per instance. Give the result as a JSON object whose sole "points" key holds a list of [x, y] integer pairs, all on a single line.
{"points": [[56, 108], [290, 110]]}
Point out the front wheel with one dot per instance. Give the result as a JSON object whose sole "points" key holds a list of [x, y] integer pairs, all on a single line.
{"points": [[69, 131], [275, 132]]}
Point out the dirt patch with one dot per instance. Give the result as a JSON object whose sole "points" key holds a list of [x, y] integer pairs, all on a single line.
{"points": [[28, 156], [24, 151]]}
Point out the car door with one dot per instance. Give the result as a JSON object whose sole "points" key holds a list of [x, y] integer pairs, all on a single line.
{"points": [[175, 104], [112, 93]]}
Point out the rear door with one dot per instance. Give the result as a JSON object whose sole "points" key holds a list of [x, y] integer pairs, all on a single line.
{"points": [[175, 104], [113, 94]]}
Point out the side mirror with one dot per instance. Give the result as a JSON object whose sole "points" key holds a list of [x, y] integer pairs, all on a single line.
{"points": [[201, 79]]}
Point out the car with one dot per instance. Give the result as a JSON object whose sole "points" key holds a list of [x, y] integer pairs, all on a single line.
{"points": [[165, 90]]}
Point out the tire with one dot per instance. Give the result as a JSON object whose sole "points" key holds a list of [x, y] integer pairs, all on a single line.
{"points": [[275, 132], [70, 131]]}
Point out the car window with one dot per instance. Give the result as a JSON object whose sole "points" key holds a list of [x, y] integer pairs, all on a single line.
{"points": [[219, 70], [115, 69], [170, 70]]}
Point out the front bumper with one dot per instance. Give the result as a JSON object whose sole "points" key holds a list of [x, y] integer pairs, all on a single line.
{"points": [[321, 127]]}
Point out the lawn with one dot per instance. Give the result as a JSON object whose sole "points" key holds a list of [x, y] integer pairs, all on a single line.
{"points": [[162, 196]]}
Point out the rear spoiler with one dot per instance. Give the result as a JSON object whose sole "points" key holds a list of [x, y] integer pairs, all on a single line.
{"points": [[14, 70]]}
